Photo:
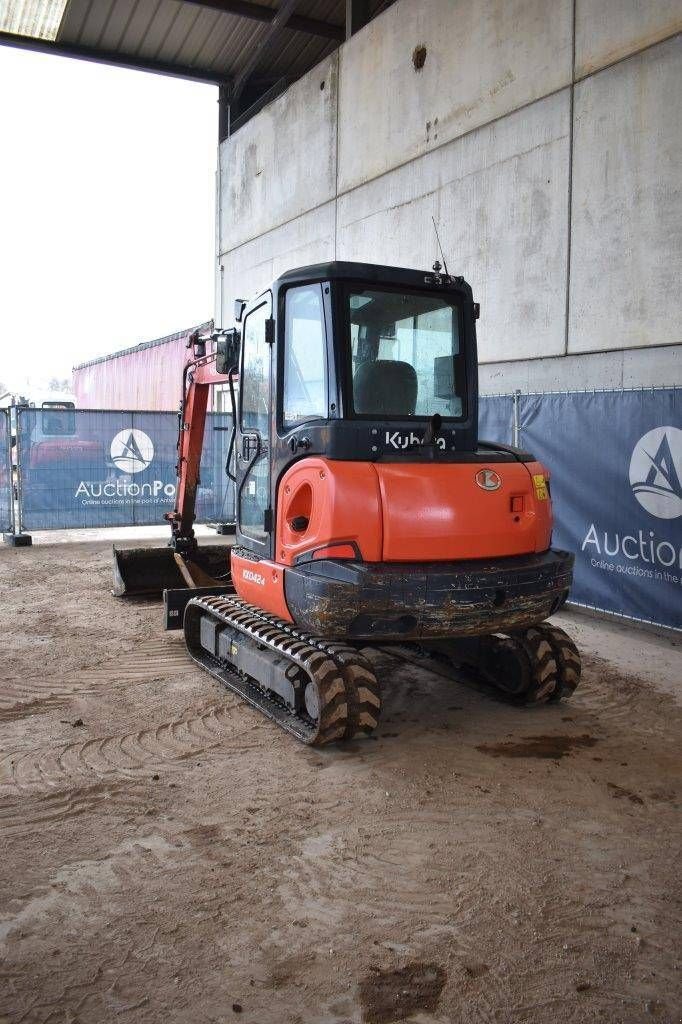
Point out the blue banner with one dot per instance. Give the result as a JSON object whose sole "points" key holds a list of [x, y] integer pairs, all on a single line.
{"points": [[615, 457], [5, 472], [616, 464], [89, 468], [495, 418]]}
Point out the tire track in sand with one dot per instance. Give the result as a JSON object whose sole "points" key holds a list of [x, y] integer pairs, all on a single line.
{"points": [[121, 754], [410, 873], [31, 811], [155, 658]]}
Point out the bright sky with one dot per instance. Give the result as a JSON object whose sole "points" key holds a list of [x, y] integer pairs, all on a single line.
{"points": [[107, 194]]}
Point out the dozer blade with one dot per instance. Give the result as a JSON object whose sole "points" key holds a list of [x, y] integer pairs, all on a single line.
{"points": [[149, 571]]}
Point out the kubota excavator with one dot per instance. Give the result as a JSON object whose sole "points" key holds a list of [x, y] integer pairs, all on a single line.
{"points": [[368, 509]]}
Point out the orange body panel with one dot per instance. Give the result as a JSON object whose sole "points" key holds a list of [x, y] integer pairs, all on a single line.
{"points": [[439, 513], [341, 501], [407, 512], [260, 583]]}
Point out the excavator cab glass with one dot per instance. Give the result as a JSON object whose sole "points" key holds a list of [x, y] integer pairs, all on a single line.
{"points": [[305, 363], [253, 492], [406, 359]]}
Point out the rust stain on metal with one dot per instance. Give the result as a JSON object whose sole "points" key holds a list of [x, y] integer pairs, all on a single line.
{"points": [[334, 617]]}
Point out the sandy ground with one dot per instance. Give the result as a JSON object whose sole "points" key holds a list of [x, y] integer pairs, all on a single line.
{"points": [[170, 856]]}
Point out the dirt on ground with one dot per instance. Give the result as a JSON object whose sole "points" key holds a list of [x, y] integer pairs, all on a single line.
{"points": [[168, 855]]}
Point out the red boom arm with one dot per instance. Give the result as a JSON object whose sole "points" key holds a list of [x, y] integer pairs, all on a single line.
{"points": [[198, 376]]}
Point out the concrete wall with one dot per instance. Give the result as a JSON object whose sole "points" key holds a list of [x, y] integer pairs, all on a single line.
{"points": [[545, 138]]}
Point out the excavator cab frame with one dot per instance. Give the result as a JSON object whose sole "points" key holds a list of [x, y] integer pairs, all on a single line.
{"points": [[339, 431]]}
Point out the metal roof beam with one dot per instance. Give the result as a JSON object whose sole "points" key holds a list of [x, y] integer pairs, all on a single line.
{"points": [[279, 22], [357, 16], [256, 12], [113, 57]]}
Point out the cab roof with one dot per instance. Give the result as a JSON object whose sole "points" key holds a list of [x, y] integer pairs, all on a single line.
{"points": [[374, 273]]}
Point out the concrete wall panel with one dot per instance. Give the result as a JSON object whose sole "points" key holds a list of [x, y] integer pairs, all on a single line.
{"points": [[484, 58], [251, 268], [626, 242], [500, 198], [608, 30], [479, 137], [282, 162], [633, 368]]}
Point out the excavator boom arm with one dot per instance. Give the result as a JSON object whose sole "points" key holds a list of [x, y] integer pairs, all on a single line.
{"points": [[199, 375]]}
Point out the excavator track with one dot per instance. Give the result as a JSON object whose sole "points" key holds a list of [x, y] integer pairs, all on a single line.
{"points": [[537, 665], [546, 664], [320, 691], [567, 658]]}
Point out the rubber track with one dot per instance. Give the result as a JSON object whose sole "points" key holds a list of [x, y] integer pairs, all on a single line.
{"points": [[548, 660], [567, 658], [347, 688], [544, 675], [363, 690]]}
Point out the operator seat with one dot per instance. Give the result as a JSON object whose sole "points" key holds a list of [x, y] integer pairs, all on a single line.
{"points": [[385, 387]]}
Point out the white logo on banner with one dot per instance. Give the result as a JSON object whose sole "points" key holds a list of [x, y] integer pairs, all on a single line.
{"points": [[132, 451], [656, 472]]}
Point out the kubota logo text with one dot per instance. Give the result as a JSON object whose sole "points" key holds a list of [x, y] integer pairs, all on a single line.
{"points": [[132, 451], [656, 470], [396, 439]]}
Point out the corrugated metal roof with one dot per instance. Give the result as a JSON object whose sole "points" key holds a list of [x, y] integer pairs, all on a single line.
{"points": [[206, 40], [145, 344], [186, 33], [192, 36], [37, 18]]}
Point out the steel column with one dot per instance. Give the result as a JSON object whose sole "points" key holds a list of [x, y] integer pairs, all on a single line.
{"points": [[357, 15]]}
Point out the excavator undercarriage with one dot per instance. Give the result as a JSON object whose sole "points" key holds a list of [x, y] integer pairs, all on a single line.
{"points": [[322, 692], [318, 690]]}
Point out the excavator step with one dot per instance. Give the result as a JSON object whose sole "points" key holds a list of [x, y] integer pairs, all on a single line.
{"points": [[319, 691]]}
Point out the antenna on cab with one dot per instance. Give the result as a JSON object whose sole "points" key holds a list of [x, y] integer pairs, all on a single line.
{"points": [[445, 266]]}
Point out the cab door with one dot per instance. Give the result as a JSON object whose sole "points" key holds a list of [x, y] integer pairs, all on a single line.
{"points": [[253, 434]]}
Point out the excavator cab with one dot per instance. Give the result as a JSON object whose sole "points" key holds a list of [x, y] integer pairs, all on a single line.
{"points": [[368, 509], [358, 461], [354, 363]]}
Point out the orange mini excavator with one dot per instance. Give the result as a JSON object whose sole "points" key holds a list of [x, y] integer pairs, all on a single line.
{"points": [[368, 509]]}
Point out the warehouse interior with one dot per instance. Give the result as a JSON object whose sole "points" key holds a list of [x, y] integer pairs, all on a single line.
{"points": [[171, 855]]}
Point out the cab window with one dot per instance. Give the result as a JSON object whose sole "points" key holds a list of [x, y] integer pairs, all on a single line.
{"points": [[255, 385], [406, 356], [305, 357]]}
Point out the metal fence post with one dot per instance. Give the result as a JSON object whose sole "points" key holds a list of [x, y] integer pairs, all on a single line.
{"points": [[516, 426], [10, 473], [17, 538], [7, 414]]}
